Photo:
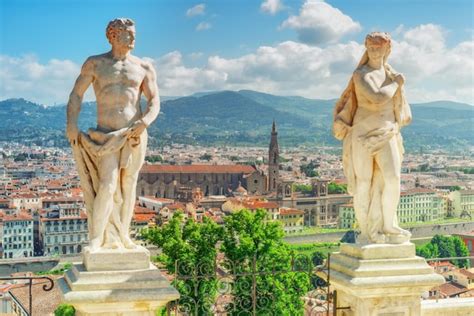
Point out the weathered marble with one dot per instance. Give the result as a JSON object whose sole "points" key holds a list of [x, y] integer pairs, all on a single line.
{"points": [[116, 276], [130, 292], [110, 156], [381, 279], [368, 118]]}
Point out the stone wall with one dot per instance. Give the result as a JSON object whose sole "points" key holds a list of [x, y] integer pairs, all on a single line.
{"points": [[448, 307], [417, 232]]}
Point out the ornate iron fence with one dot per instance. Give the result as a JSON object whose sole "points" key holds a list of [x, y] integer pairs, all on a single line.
{"points": [[46, 287], [252, 288]]}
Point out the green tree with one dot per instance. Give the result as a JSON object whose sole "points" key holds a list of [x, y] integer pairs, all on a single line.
{"points": [[445, 247], [334, 188], [303, 188], [206, 157], [255, 252], [65, 310], [309, 169], [461, 250], [154, 158], [189, 251]]}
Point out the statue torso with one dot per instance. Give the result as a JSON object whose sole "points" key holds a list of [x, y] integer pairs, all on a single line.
{"points": [[370, 114], [117, 86]]}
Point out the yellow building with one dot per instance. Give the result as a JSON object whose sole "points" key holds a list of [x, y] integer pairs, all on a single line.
{"points": [[292, 219]]}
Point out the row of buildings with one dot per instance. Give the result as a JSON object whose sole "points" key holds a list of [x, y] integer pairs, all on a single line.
{"points": [[422, 205]]}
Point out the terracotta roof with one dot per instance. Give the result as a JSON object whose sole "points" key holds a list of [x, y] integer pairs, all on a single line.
{"points": [[140, 218], [469, 274], [44, 302], [158, 199], [417, 191], [290, 211], [143, 210], [451, 288], [19, 217], [259, 204], [177, 206], [197, 169]]}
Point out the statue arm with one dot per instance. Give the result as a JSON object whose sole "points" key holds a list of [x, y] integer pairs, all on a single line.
{"points": [[150, 90], [371, 92], [75, 99]]}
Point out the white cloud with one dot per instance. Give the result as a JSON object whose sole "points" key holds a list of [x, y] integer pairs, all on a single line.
{"points": [[198, 9], [43, 83], [271, 6], [318, 22], [203, 26], [433, 70]]}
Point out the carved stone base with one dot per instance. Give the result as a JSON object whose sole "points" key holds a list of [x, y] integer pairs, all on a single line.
{"points": [[125, 292], [381, 279], [116, 259]]}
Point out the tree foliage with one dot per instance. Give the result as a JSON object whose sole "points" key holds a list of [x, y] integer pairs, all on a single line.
{"points": [[303, 188], [255, 256], [254, 246], [334, 188], [445, 247], [193, 246], [309, 169]]}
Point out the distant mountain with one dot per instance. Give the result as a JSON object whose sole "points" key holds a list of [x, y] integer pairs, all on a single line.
{"points": [[242, 118]]}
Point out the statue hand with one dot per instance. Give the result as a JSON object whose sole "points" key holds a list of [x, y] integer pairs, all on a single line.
{"points": [[72, 134], [340, 129], [137, 129], [400, 79]]}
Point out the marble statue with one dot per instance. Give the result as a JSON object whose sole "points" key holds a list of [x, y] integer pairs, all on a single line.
{"points": [[368, 118], [109, 157]]}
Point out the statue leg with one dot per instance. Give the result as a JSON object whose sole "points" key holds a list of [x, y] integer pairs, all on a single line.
{"points": [[129, 183], [389, 162], [104, 202], [363, 168]]}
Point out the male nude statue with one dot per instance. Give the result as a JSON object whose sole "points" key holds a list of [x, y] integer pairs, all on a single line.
{"points": [[368, 117], [110, 156]]}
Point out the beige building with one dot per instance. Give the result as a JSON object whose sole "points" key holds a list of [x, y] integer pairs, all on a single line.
{"points": [[319, 207], [416, 205], [420, 205], [463, 203]]}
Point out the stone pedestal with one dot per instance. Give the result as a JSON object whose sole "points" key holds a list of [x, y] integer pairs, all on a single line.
{"points": [[116, 282], [380, 279]]}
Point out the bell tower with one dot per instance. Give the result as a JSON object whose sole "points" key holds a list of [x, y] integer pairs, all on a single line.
{"points": [[273, 161]]}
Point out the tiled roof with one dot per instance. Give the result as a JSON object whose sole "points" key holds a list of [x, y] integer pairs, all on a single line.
{"points": [[44, 302], [417, 191], [451, 288], [290, 211], [197, 169]]}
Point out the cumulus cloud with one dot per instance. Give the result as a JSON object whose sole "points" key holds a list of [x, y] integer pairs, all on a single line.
{"points": [[198, 9], [43, 83], [433, 70], [271, 6], [318, 22], [203, 26]]}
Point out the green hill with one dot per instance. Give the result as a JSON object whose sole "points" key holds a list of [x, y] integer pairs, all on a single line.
{"points": [[242, 118]]}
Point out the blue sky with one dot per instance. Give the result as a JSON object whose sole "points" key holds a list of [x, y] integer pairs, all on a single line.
{"points": [[254, 44]]}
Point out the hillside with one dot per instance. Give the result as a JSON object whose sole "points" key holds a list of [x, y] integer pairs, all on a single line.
{"points": [[242, 118]]}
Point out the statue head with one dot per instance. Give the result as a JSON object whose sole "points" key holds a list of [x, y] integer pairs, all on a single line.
{"points": [[121, 32], [378, 45]]}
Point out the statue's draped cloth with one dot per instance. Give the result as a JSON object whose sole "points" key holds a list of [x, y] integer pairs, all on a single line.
{"points": [[88, 152], [374, 138]]}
